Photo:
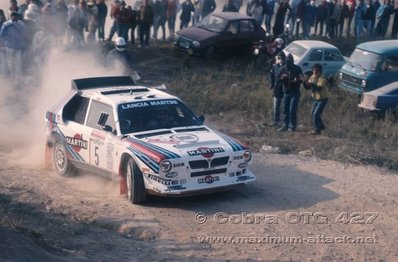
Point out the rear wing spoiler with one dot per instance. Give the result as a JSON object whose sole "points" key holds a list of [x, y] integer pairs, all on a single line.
{"points": [[101, 82]]}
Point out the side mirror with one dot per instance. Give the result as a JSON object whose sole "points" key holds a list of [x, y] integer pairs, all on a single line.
{"points": [[102, 119], [202, 118]]}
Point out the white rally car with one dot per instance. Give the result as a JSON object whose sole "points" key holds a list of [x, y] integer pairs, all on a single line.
{"points": [[145, 137]]}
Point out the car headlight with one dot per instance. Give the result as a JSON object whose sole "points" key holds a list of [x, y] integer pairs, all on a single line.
{"points": [[341, 75], [363, 83], [165, 166], [196, 44], [247, 156]]}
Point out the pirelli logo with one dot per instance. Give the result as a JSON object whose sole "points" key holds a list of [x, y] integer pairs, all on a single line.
{"points": [[209, 152]]}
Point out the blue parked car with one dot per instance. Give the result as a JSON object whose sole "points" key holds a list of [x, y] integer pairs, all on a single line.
{"points": [[370, 66], [380, 100]]}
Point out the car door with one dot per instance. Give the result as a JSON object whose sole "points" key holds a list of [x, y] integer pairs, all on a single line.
{"points": [[332, 62], [248, 33], [73, 131], [228, 39], [102, 135], [315, 56]]}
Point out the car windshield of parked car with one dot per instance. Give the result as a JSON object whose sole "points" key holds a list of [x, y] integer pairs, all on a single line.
{"points": [[156, 114], [366, 60], [295, 49], [213, 23]]}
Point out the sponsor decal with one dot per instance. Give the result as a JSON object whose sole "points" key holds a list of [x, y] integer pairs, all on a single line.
{"points": [[206, 152], [77, 142], [145, 170], [98, 134], [163, 141], [159, 180], [243, 178], [187, 138], [176, 187], [178, 165], [150, 103], [171, 175], [208, 179]]}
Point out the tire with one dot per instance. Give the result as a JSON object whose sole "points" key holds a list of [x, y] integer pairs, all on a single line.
{"points": [[264, 62], [136, 193], [62, 164], [210, 52]]}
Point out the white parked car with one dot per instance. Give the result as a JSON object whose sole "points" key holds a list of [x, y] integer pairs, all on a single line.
{"points": [[306, 53], [147, 139]]}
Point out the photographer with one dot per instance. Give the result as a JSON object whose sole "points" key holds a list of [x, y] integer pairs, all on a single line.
{"points": [[318, 84]]}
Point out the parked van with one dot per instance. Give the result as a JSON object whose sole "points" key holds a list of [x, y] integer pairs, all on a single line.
{"points": [[370, 66]]}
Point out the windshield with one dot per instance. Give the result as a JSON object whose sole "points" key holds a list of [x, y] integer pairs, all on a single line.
{"points": [[295, 49], [155, 114], [213, 23], [365, 60]]}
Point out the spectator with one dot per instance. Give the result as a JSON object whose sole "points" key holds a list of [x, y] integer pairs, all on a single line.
{"points": [[145, 20], [172, 8], [237, 4], [12, 37], [92, 21], [394, 29], [115, 9], [359, 22], [291, 19], [321, 15], [292, 79], [299, 16], [133, 17], [208, 7], [256, 11], [157, 6], [269, 13], [279, 24], [334, 13], [309, 18], [351, 10], [197, 15], [61, 16], [102, 13], [123, 20], [3, 64], [229, 7], [344, 13], [318, 85], [13, 9], [369, 17], [163, 18], [383, 14], [276, 84], [185, 16]]}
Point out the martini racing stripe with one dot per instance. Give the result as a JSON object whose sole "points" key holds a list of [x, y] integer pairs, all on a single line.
{"points": [[232, 142], [153, 165], [159, 151]]}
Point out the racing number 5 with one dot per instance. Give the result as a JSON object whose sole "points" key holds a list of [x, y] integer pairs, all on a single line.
{"points": [[96, 156]]}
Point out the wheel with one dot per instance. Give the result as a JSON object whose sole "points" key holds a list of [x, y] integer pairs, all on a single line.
{"points": [[62, 164], [210, 52], [264, 62], [135, 183]]}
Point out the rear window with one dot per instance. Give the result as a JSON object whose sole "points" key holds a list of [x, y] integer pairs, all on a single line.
{"points": [[365, 60], [295, 49]]}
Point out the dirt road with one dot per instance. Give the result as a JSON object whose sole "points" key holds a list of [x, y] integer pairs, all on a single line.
{"points": [[298, 209]]}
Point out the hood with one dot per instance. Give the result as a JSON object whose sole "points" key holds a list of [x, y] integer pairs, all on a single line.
{"points": [[185, 144], [196, 33]]}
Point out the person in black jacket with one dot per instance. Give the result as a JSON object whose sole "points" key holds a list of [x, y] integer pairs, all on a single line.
{"points": [[102, 13], [145, 20], [186, 9], [276, 85], [208, 7], [292, 78]]}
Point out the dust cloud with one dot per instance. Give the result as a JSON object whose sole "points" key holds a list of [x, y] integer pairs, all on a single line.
{"points": [[23, 103]]}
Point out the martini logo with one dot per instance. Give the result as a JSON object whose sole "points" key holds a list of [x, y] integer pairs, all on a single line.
{"points": [[77, 142], [187, 138], [206, 152], [208, 179]]}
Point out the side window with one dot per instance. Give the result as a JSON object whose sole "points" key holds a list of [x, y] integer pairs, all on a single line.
{"points": [[233, 27], [390, 64], [333, 55], [315, 55], [245, 26], [75, 110], [95, 112]]}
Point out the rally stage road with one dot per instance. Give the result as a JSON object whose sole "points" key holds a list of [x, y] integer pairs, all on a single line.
{"points": [[298, 209]]}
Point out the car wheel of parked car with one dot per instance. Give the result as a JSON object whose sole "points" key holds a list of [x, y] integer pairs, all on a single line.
{"points": [[135, 183], [210, 52], [62, 164]]}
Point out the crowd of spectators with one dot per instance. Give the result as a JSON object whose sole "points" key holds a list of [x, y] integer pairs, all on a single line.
{"points": [[26, 28]]}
